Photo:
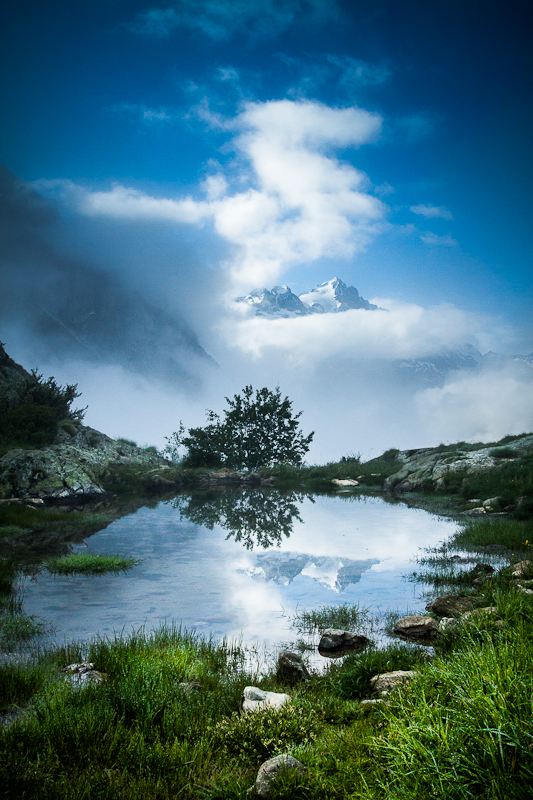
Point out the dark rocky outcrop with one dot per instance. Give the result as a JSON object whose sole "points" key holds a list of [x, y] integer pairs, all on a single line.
{"points": [[334, 643], [291, 667], [451, 605], [420, 628]]}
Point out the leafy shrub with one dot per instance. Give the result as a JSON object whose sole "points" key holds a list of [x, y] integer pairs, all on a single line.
{"points": [[503, 452], [258, 429], [390, 455], [32, 419], [262, 734]]}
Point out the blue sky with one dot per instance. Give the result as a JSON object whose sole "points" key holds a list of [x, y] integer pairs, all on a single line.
{"points": [[286, 141]]}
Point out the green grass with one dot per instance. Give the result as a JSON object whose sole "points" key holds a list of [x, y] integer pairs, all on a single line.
{"points": [[319, 477], [20, 517], [346, 616], [514, 535], [511, 480], [461, 729], [351, 679], [464, 728], [90, 564], [16, 628]]}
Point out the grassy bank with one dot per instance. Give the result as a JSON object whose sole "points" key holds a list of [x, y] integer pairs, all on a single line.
{"points": [[164, 720]]}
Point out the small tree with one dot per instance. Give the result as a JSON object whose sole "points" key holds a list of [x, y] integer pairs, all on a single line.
{"points": [[256, 431]]}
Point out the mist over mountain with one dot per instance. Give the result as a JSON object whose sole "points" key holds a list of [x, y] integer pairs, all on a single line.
{"points": [[69, 309], [334, 297]]}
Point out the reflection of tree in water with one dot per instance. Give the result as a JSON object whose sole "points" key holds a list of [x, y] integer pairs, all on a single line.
{"points": [[252, 516]]}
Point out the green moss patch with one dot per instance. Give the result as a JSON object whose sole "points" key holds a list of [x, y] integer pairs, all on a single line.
{"points": [[90, 564]]}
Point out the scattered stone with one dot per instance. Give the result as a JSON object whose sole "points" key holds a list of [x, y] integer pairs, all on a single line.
{"points": [[489, 611], [334, 643], [493, 503], [447, 623], [481, 567], [417, 627], [520, 568], [525, 584], [384, 684], [255, 699], [475, 502], [523, 590], [270, 769], [475, 512], [345, 482], [157, 483], [291, 667], [83, 674], [379, 701], [190, 687], [450, 605]]}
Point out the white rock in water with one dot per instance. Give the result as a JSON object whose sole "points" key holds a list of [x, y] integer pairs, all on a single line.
{"points": [[345, 482]]}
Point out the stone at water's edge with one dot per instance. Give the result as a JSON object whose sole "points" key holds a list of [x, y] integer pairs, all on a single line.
{"points": [[450, 605], [334, 643], [255, 699], [291, 667], [417, 627], [384, 684], [270, 769]]}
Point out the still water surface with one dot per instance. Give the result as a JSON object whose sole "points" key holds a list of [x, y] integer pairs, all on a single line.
{"points": [[241, 563]]}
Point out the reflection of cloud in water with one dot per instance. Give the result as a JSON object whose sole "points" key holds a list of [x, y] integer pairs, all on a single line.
{"points": [[331, 572]]}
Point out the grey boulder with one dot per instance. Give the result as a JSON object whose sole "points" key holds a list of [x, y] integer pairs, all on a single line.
{"points": [[334, 643], [270, 769]]}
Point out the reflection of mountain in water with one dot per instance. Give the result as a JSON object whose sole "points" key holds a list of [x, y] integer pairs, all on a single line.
{"points": [[329, 571]]}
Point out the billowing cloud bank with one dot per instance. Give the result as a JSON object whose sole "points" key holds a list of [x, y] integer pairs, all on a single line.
{"points": [[299, 202], [395, 331], [284, 200]]}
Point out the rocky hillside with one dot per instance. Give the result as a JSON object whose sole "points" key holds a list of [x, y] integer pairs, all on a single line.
{"points": [[77, 467], [74, 462], [432, 464]]}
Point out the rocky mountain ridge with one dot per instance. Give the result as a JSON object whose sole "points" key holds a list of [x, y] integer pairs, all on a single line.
{"points": [[330, 297]]}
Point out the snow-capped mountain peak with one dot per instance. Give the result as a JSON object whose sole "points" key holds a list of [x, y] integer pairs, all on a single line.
{"points": [[329, 297]]}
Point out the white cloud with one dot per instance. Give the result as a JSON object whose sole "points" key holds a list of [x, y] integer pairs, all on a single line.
{"points": [[221, 19], [406, 330], [428, 237], [298, 204], [123, 203], [432, 212], [479, 407]]}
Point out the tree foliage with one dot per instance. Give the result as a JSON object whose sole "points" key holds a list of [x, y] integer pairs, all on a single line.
{"points": [[31, 418], [258, 429]]}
